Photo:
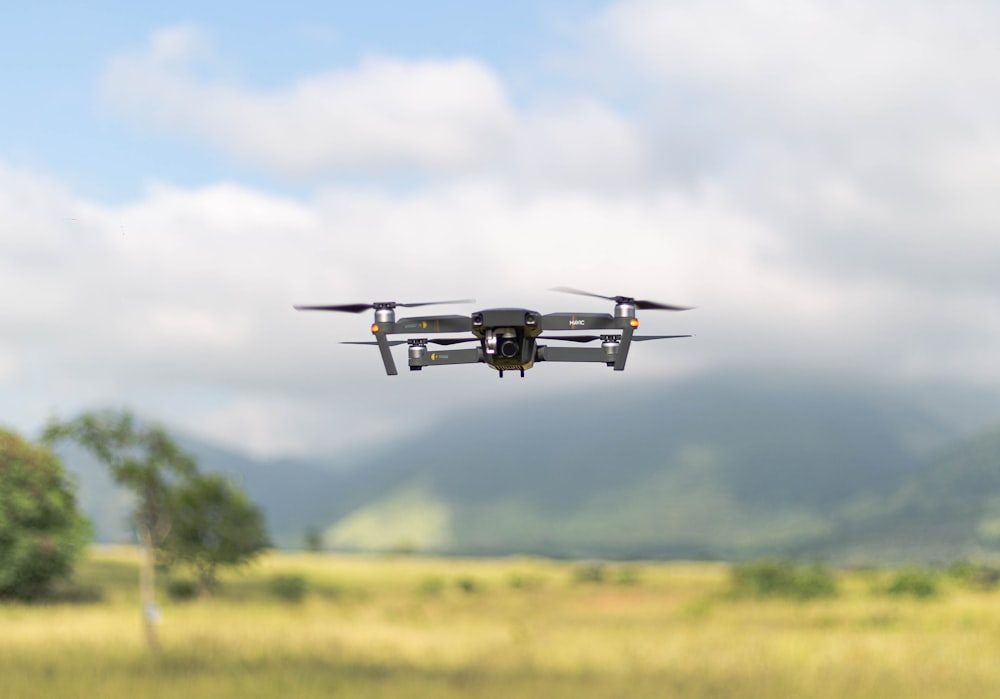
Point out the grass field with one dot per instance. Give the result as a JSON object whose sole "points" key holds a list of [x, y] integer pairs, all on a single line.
{"points": [[409, 626]]}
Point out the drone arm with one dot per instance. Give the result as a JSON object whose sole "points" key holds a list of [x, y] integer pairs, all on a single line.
{"points": [[579, 321], [432, 324], [551, 353], [419, 360]]}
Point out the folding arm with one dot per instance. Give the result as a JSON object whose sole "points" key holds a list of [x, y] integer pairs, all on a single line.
{"points": [[579, 321], [432, 324], [420, 359], [550, 353]]}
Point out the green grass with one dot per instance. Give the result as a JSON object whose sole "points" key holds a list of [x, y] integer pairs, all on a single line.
{"points": [[376, 627]]}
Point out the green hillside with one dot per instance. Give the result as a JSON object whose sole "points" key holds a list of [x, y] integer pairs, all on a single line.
{"points": [[726, 466], [949, 509]]}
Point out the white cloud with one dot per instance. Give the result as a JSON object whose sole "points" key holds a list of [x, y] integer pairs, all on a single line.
{"points": [[187, 316], [384, 114], [179, 303], [863, 133], [826, 60], [8, 366], [580, 144]]}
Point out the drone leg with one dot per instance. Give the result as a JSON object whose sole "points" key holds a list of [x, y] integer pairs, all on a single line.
{"points": [[522, 373], [383, 347], [501, 372], [625, 342]]}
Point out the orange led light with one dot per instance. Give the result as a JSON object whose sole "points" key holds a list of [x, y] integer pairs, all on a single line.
{"points": [[374, 328], [634, 322]]}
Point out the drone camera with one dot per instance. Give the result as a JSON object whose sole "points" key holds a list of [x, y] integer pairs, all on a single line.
{"points": [[530, 319], [509, 348], [503, 343], [477, 320]]}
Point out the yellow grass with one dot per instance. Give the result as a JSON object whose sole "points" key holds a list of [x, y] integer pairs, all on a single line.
{"points": [[381, 627]]}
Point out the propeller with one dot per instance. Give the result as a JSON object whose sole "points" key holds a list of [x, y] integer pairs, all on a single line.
{"points": [[360, 307], [592, 338], [638, 303], [438, 341]]}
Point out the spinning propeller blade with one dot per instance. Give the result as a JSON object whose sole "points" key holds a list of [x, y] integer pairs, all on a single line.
{"points": [[343, 308], [453, 340], [360, 307], [641, 304], [438, 341], [570, 338], [435, 303], [593, 338], [640, 338]]}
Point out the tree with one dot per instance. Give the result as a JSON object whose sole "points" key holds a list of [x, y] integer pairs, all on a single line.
{"points": [[314, 539], [42, 534], [146, 461], [215, 524]]}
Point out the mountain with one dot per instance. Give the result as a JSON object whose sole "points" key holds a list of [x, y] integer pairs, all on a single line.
{"points": [[947, 510], [719, 466], [723, 466]]}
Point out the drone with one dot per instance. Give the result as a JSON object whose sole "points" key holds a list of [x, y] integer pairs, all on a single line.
{"points": [[508, 339]]}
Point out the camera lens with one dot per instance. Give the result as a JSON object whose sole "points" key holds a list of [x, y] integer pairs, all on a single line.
{"points": [[508, 349]]}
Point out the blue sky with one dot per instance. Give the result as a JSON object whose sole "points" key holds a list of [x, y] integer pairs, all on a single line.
{"points": [[818, 178]]}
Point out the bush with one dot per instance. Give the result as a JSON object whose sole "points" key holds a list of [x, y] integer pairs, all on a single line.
{"points": [[769, 578], [431, 587], [629, 574], [182, 590], [524, 581], [42, 534], [468, 585], [289, 587], [593, 572], [978, 576], [73, 593], [913, 582]]}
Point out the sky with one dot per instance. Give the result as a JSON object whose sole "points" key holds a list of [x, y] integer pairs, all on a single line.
{"points": [[819, 179]]}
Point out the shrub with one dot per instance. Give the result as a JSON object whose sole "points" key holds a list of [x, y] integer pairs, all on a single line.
{"points": [[772, 578], [289, 587], [524, 581], [978, 576], [593, 572], [628, 574], [468, 585], [431, 587], [913, 582], [182, 590]]}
